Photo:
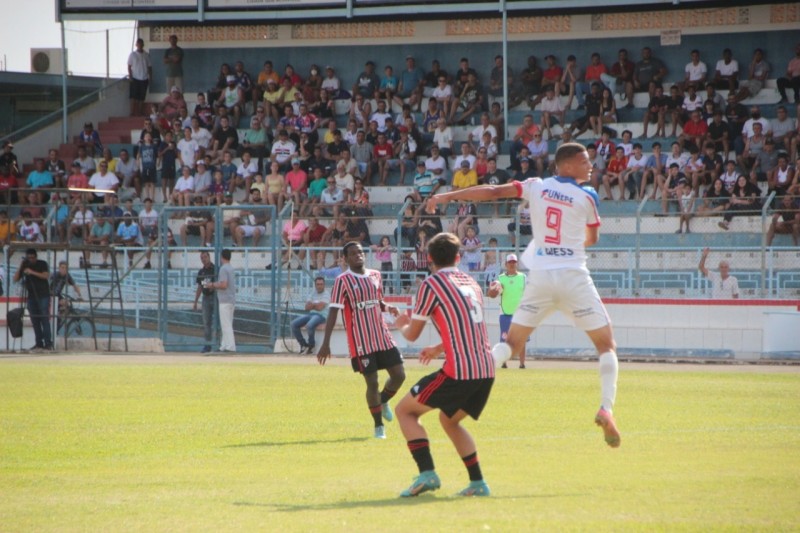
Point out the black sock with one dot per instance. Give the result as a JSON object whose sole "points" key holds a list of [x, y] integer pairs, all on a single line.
{"points": [[421, 452], [387, 395], [375, 411], [473, 466]]}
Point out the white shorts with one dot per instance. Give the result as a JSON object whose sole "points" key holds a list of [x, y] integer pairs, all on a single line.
{"points": [[570, 291], [249, 231]]}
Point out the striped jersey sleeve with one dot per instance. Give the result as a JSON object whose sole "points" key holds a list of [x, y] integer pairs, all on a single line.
{"points": [[454, 303]]}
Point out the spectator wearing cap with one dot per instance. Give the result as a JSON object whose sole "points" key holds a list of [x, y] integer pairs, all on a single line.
{"points": [[172, 104], [232, 98], [140, 72], [525, 169], [464, 176], [425, 183], [331, 83], [8, 159], [509, 286], [184, 188], [90, 139]]}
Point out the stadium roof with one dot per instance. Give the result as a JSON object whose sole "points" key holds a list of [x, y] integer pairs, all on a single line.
{"points": [[305, 10]]}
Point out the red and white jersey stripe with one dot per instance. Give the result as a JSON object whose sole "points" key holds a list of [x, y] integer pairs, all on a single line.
{"points": [[455, 303], [359, 297]]}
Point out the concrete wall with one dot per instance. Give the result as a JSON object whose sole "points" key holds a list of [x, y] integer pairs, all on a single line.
{"points": [[687, 328]]}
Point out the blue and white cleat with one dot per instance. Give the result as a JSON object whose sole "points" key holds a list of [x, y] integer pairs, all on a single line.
{"points": [[426, 481]]}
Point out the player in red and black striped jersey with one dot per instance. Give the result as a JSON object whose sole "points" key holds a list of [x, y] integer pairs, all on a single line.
{"points": [[357, 292], [454, 302]]}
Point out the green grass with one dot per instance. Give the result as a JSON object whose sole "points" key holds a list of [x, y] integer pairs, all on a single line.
{"points": [[278, 447]]}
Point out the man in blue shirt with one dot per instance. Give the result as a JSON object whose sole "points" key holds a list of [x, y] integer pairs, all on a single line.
{"points": [[412, 80], [128, 234], [40, 178]]}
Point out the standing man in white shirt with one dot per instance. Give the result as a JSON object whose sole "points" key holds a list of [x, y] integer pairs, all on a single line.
{"points": [[723, 285], [140, 71]]}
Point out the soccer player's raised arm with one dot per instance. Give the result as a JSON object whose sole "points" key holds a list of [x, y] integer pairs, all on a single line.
{"points": [[480, 193]]}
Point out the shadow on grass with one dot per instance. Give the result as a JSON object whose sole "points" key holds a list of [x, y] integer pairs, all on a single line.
{"points": [[390, 502], [297, 442]]}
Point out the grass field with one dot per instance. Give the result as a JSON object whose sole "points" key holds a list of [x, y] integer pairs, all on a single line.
{"points": [[191, 444]]}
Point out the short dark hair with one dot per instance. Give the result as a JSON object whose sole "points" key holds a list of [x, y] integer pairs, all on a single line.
{"points": [[319, 278], [349, 245], [31, 251], [567, 151], [443, 249], [637, 145], [226, 254]]}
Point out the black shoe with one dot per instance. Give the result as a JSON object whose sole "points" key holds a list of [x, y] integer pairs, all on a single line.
{"points": [[169, 264], [147, 266], [268, 267], [81, 263], [310, 350]]}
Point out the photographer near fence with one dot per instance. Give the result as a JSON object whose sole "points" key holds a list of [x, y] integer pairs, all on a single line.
{"points": [[35, 275]]}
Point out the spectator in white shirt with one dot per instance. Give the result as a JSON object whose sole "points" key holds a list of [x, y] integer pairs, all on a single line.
{"points": [[726, 73], [184, 188], [695, 73], [188, 149], [723, 285]]}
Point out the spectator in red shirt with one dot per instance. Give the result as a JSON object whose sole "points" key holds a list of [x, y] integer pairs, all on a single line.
{"points": [[616, 166], [550, 76], [594, 71], [621, 78], [382, 153], [312, 238], [694, 132], [8, 186]]}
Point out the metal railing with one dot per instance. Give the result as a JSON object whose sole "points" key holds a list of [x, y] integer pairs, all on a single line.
{"points": [[55, 116]]}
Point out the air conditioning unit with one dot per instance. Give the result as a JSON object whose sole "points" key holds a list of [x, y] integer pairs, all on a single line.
{"points": [[47, 61]]}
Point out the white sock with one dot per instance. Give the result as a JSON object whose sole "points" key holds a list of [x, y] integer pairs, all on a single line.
{"points": [[608, 379]]}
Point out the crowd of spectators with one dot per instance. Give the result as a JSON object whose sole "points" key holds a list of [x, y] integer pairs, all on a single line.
{"points": [[293, 149]]}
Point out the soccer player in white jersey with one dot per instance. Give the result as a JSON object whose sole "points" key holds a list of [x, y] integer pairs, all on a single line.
{"points": [[565, 221], [358, 293]]}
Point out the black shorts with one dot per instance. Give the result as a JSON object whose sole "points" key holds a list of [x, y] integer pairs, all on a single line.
{"points": [[367, 364], [450, 395], [138, 89], [148, 175]]}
